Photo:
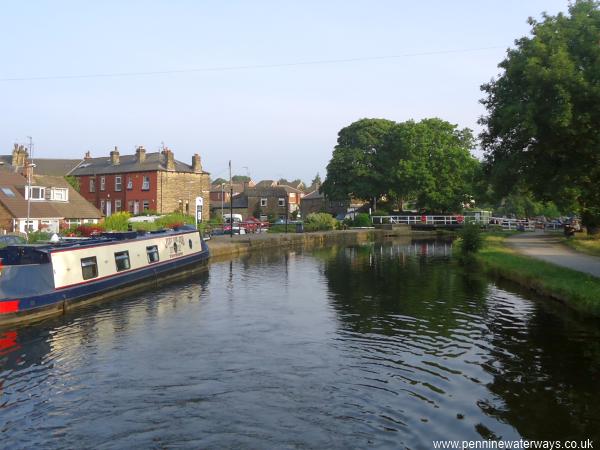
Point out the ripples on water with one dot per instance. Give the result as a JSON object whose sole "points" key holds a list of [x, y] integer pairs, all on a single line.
{"points": [[384, 346]]}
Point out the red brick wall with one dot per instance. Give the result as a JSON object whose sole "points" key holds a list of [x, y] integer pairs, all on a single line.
{"points": [[125, 195]]}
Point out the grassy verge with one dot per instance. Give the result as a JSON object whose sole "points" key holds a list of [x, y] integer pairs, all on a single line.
{"points": [[579, 290], [585, 244]]}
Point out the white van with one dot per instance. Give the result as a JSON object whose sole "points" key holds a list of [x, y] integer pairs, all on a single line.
{"points": [[237, 218]]}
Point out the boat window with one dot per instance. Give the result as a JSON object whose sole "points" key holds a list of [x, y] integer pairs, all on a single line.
{"points": [[152, 252], [122, 260], [190, 242], [89, 268]]}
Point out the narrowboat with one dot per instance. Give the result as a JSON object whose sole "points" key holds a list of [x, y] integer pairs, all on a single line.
{"points": [[38, 281]]}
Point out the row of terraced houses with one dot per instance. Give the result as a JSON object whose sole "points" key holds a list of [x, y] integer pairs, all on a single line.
{"points": [[138, 183]]}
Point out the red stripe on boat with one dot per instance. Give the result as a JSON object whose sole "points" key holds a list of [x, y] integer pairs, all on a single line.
{"points": [[9, 306]]}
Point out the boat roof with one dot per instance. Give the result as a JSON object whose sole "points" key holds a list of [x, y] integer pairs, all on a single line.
{"points": [[100, 239]]}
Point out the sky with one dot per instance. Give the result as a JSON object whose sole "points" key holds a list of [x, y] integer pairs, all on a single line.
{"points": [[265, 84]]}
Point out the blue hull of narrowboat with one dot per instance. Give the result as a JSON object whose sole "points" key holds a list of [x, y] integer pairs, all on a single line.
{"points": [[57, 301]]}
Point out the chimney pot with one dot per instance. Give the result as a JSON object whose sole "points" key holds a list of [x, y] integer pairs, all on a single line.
{"points": [[114, 157]]}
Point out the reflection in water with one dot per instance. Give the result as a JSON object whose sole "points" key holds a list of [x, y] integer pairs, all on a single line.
{"points": [[382, 345]]}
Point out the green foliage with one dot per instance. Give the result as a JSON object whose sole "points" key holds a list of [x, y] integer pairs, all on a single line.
{"points": [[316, 180], [38, 236], [74, 182], [380, 212], [173, 219], [319, 222], [117, 222], [240, 178], [220, 181], [361, 220], [542, 115], [470, 240], [429, 161], [523, 205]]}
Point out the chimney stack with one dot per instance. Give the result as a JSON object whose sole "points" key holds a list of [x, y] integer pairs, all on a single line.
{"points": [[19, 156], [114, 157], [140, 154], [87, 156], [196, 163], [170, 159]]}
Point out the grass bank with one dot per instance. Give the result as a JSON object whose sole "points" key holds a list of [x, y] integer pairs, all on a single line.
{"points": [[579, 290], [584, 243]]}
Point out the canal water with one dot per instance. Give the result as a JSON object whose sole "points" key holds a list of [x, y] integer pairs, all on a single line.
{"points": [[386, 345]]}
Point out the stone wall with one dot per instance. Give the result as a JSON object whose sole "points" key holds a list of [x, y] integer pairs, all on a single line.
{"points": [[177, 191]]}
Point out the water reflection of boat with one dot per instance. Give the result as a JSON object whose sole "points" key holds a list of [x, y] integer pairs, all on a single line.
{"points": [[42, 280]]}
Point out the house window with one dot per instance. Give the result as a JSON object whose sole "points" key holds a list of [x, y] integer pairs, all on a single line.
{"points": [[146, 205], [118, 183], [263, 202], [152, 252], [129, 184], [89, 268], [59, 194], [130, 206], [102, 206], [8, 192], [117, 205], [122, 260], [281, 201], [146, 183], [92, 185], [102, 183], [37, 193]]}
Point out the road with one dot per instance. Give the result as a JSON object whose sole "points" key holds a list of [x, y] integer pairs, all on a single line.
{"points": [[547, 247]]}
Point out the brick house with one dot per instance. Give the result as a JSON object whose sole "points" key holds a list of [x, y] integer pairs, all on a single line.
{"points": [[264, 202], [144, 182], [315, 202]]}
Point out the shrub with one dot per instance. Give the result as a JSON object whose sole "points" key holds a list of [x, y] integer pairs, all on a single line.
{"points": [[37, 236], [117, 222], [173, 220], [380, 212], [470, 240], [319, 222], [89, 229]]}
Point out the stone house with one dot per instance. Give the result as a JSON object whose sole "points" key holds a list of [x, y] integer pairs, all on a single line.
{"points": [[144, 182]]}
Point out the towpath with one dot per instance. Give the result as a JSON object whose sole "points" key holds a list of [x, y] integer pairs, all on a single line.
{"points": [[547, 247]]}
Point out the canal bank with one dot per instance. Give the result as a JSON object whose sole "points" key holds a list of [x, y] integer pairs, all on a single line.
{"points": [[577, 289], [225, 247]]}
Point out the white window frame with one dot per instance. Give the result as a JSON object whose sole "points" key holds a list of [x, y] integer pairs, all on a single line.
{"points": [[102, 183], [54, 191], [145, 205], [263, 202], [92, 185], [129, 183], [118, 183], [281, 201], [30, 189], [102, 206], [146, 183], [117, 205]]}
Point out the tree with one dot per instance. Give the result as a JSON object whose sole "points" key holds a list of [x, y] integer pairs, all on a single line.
{"points": [[428, 161], [543, 112], [220, 181], [240, 178], [316, 180], [354, 168], [74, 182]]}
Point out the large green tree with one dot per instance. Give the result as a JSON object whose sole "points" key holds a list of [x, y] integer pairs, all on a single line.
{"points": [[543, 112], [355, 167], [428, 162]]}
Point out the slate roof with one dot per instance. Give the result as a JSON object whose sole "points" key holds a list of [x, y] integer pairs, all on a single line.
{"points": [[76, 208], [45, 166], [128, 163], [313, 195]]}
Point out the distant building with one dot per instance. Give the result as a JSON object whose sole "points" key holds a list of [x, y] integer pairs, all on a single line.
{"points": [[143, 182], [315, 202], [267, 202]]}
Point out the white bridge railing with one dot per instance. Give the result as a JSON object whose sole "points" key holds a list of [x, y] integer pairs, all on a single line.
{"points": [[507, 224]]}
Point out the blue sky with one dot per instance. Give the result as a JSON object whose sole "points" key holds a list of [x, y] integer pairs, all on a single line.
{"points": [[271, 122]]}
